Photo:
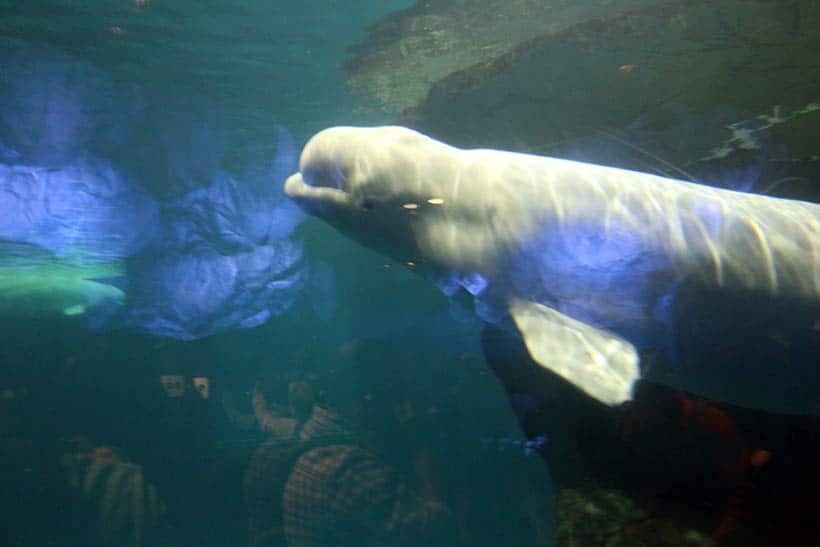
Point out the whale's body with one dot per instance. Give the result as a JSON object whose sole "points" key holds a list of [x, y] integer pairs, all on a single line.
{"points": [[33, 281], [586, 260]]}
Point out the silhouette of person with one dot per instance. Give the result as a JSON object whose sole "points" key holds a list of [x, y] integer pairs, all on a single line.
{"points": [[324, 486]]}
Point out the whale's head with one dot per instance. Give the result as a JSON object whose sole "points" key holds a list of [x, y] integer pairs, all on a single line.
{"points": [[370, 184]]}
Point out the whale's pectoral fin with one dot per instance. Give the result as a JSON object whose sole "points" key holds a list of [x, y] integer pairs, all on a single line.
{"points": [[598, 362]]}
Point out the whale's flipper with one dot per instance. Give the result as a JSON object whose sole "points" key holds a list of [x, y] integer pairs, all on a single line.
{"points": [[598, 362]]}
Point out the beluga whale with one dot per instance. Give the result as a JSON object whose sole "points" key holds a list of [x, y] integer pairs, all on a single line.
{"points": [[590, 264]]}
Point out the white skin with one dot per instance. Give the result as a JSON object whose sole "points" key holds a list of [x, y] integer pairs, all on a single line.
{"points": [[580, 256]]}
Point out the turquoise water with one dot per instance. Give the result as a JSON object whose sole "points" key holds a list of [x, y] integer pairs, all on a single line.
{"points": [[189, 358]]}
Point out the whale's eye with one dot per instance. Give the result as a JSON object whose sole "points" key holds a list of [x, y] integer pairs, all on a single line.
{"points": [[368, 205]]}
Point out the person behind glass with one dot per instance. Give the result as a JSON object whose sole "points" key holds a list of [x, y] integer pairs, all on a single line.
{"points": [[63, 490], [302, 394], [181, 444], [325, 486]]}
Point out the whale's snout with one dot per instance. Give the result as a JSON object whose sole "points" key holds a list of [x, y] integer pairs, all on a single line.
{"points": [[293, 185], [297, 189]]}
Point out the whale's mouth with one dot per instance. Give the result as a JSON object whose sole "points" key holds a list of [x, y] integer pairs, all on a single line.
{"points": [[318, 190]]}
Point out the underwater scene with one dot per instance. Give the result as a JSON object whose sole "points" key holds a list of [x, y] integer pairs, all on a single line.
{"points": [[492, 273]]}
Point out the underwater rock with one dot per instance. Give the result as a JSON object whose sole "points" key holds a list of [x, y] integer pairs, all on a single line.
{"points": [[80, 240], [80, 235], [601, 517], [593, 516], [604, 73], [199, 293], [408, 51], [64, 233], [82, 211], [228, 257]]}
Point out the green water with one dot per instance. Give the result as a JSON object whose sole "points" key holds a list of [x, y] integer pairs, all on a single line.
{"points": [[99, 449], [259, 64]]}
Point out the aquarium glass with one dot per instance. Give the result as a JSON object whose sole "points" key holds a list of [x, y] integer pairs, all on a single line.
{"points": [[494, 273]]}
